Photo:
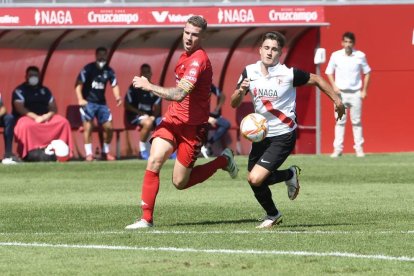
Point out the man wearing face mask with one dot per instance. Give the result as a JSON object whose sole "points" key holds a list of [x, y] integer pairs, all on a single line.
{"points": [[90, 91], [35, 108]]}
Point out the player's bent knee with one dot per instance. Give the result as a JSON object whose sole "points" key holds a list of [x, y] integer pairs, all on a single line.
{"points": [[180, 185], [254, 181]]}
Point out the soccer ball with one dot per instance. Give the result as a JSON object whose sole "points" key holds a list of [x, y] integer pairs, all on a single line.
{"points": [[254, 127]]}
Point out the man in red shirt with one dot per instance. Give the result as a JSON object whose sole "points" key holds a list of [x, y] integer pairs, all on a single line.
{"points": [[185, 124]]}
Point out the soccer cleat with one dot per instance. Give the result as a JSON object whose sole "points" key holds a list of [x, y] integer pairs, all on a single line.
{"points": [[359, 153], [336, 154], [204, 152], [231, 168], [293, 183], [9, 161], [139, 224], [270, 221], [144, 154], [89, 158], [108, 157]]}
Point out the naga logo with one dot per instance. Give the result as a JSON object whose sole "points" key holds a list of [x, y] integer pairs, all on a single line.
{"points": [[235, 16], [162, 17], [53, 17]]}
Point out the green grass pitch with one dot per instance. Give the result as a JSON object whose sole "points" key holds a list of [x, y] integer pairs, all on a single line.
{"points": [[353, 216]]}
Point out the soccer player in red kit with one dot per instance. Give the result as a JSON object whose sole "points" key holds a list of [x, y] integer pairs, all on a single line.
{"points": [[185, 125]]}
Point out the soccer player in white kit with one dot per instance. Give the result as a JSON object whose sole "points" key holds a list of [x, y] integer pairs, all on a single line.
{"points": [[348, 64], [273, 90]]}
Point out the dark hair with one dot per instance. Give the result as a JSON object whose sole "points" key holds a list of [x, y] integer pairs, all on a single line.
{"points": [[198, 21], [101, 49], [32, 68], [349, 35], [145, 65], [281, 40]]}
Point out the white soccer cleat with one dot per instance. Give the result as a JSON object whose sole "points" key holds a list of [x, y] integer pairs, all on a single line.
{"points": [[293, 183], [8, 161], [139, 224], [231, 168], [336, 154], [359, 153], [270, 221], [204, 152]]}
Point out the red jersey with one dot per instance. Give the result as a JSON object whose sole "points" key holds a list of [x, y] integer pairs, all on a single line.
{"points": [[193, 73]]}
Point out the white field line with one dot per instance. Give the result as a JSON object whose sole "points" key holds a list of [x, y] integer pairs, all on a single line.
{"points": [[215, 251], [214, 232]]}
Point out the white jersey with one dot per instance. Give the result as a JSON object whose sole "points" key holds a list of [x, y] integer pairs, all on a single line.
{"points": [[274, 95], [348, 69]]}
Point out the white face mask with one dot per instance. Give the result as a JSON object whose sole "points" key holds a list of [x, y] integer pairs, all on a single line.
{"points": [[33, 80], [101, 64]]}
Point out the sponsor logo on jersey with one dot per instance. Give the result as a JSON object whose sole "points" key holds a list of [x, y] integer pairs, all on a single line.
{"points": [[53, 17], [235, 16], [97, 85], [268, 93]]}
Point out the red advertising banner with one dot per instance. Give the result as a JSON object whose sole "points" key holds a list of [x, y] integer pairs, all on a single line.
{"points": [[136, 17]]}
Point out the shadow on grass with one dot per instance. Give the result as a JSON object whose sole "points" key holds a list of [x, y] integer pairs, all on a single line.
{"points": [[215, 222], [240, 221]]}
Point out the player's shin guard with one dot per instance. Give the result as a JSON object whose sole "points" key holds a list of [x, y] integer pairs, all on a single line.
{"points": [[150, 187], [277, 177], [203, 172], [264, 197]]}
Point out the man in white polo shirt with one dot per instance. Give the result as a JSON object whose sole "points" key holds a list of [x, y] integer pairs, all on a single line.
{"points": [[348, 64]]}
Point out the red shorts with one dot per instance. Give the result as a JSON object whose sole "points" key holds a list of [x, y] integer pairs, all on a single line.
{"points": [[188, 139]]}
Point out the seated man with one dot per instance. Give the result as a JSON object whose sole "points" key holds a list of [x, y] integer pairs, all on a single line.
{"points": [[7, 122], [38, 124], [216, 121], [143, 109]]}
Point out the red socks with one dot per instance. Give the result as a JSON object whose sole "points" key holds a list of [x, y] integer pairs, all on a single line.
{"points": [[150, 187], [203, 172]]}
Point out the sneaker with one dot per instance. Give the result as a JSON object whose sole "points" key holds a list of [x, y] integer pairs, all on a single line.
{"points": [[108, 157], [89, 158], [270, 221], [336, 154], [231, 168], [138, 224], [144, 154], [293, 183], [204, 152], [359, 153], [9, 161]]}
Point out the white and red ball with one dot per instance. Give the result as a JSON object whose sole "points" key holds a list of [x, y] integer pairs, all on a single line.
{"points": [[254, 127]]}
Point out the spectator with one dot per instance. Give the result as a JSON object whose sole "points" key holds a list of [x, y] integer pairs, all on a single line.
{"points": [[7, 122], [35, 108], [216, 121], [348, 64], [143, 109], [90, 91]]}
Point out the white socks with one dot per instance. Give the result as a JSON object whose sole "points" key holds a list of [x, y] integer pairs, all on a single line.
{"points": [[88, 149], [142, 146]]}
